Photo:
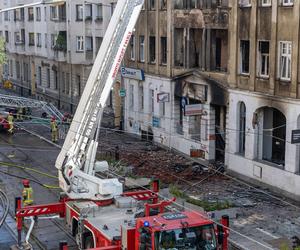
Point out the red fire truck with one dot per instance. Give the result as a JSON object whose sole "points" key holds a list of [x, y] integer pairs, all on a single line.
{"points": [[97, 210]]}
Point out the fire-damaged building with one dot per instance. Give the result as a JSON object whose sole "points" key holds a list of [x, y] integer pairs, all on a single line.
{"points": [[175, 76]]}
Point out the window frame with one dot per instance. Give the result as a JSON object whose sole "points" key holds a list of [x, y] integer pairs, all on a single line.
{"points": [[79, 12], [266, 3], [259, 59], [132, 45], [287, 3], [31, 39], [80, 48], [142, 48], [30, 14], [242, 58], [288, 56]]}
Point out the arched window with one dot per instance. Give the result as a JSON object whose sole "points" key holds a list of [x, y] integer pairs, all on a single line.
{"points": [[242, 128]]}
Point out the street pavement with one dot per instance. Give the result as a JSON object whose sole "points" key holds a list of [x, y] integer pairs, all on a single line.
{"points": [[263, 222]]}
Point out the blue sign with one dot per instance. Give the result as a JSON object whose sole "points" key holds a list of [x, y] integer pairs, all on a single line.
{"points": [[137, 74], [155, 122], [183, 102]]}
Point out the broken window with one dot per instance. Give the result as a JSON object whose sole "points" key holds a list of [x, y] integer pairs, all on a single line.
{"points": [[242, 128], [263, 58], [31, 39], [163, 44], [163, 4], [285, 60], [88, 11], [274, 136], [79, 12], [152, 49], [185, 4], [245, 47], [178, 47], [151, 4], [89, 43], [30, 14], [245, 3], [142, 49]]}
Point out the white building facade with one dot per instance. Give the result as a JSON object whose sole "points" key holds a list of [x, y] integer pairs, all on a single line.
{"points": [[51, 48]]}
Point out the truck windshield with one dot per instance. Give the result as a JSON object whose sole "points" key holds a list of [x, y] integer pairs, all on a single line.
{"points": [[193, 238]]}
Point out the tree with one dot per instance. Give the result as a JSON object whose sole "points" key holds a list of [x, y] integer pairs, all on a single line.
{"points": [[3, 57]]}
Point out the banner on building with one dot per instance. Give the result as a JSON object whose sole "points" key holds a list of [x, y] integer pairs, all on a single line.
{"points": [[163, 97], [194, 109]]}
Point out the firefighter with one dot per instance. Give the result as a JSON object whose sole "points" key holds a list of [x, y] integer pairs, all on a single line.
{"points": [[20, 114], [10, 120], [54, 129], [27, 193]]}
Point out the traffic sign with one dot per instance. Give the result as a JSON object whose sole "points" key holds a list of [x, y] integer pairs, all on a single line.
{"points": [[122, 92]]}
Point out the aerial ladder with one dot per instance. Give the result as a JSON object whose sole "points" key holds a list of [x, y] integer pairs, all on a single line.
{"points": [[11, 101]]}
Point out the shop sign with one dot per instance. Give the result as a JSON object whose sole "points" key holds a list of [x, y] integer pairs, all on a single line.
{"points": [[137, 74], [163, 97], [122, 92], [194, 109], [296, 136], [155, 122]]}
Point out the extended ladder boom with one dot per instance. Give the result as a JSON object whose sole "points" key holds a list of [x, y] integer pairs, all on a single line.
{"points": [[21, 102], [76, 161]]}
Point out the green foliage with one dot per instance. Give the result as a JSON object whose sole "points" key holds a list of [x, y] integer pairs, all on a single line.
{"points": [[206, 205], [3, 57], [61, 43]]}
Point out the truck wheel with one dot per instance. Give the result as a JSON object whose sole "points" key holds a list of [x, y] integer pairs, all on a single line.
{"points": [[89, 242]]}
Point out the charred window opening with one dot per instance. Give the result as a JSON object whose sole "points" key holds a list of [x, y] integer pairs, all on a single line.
{"points": [[186, 4], [245, 56], [152, 49], [163, 43], [178, 47], [263, 58], [273, 136], [163, 4]]}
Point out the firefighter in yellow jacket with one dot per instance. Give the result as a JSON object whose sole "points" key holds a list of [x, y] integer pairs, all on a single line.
{"points": [[27, 193], [10, 120], [54, 129]]}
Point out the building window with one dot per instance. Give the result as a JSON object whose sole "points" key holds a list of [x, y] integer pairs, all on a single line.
{"points": [[242, 128], [38, 13], [88, 12], [141, 97], [79, 12], [30, 14], [46, 40], [131, 97], [152, 49], [98, 42], [48, 78], [151, 4], [53, 40], [20, 37], [99, 12], [245, 47], [40, 75], [6, 36], [266, 3], [45, 14], [67, 83], [54, 15], [79, 42], [151, 101], [245, 3], [31, 39], [142, 49], [287, 2], [263, 58], [89, 43], [18, 70], [132, 48], [55, 78], [163, 4], [19, 14], [38, 39], [6, 16], [163, 44], [285, 60]]}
